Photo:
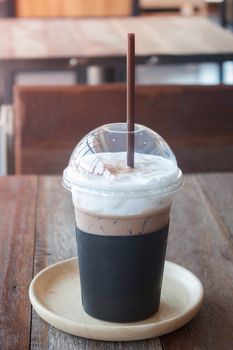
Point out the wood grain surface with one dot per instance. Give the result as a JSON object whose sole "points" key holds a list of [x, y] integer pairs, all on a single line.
{"points": [[219, 193], [200, 239], [106, 38], [55, 240], [17, 228]]}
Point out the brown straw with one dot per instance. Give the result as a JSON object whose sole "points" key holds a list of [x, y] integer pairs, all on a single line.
{"points": [[130, 98]]}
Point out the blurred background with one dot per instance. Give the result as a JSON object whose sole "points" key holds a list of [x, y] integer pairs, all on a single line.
{"points": [[62, 73]]}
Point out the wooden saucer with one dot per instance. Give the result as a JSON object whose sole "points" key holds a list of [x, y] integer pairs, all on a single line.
{"points": [[56, 296]]}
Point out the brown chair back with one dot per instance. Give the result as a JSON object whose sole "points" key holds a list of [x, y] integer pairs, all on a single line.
{"points": [[195, 121]]}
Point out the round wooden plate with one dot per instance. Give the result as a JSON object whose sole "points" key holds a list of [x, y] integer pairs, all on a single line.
{"points": [[56, 296]]}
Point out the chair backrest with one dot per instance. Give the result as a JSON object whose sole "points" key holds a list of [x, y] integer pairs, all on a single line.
{"points": [[195, 121]]}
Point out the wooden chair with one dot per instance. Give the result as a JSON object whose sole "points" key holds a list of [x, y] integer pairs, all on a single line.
{"points": [[196, 122]]}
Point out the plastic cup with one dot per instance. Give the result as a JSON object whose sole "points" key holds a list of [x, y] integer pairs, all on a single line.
{"points": [[122, 219]]}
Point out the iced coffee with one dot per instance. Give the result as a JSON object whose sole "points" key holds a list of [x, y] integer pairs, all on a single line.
{"points": [[122, 220]]}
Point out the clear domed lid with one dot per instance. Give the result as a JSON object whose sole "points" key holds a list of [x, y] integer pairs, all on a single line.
{"points": [[99, 162]]}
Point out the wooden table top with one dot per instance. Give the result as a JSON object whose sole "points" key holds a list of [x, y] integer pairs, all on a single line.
{"points": [[105, 38], [37, 229]]}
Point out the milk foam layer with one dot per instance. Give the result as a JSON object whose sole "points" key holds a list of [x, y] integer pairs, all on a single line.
{"points": [[109, 171], [112, 199], [103, 184]]}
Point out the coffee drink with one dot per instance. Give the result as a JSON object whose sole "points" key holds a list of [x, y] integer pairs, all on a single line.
{"points": [[122, 219]]}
